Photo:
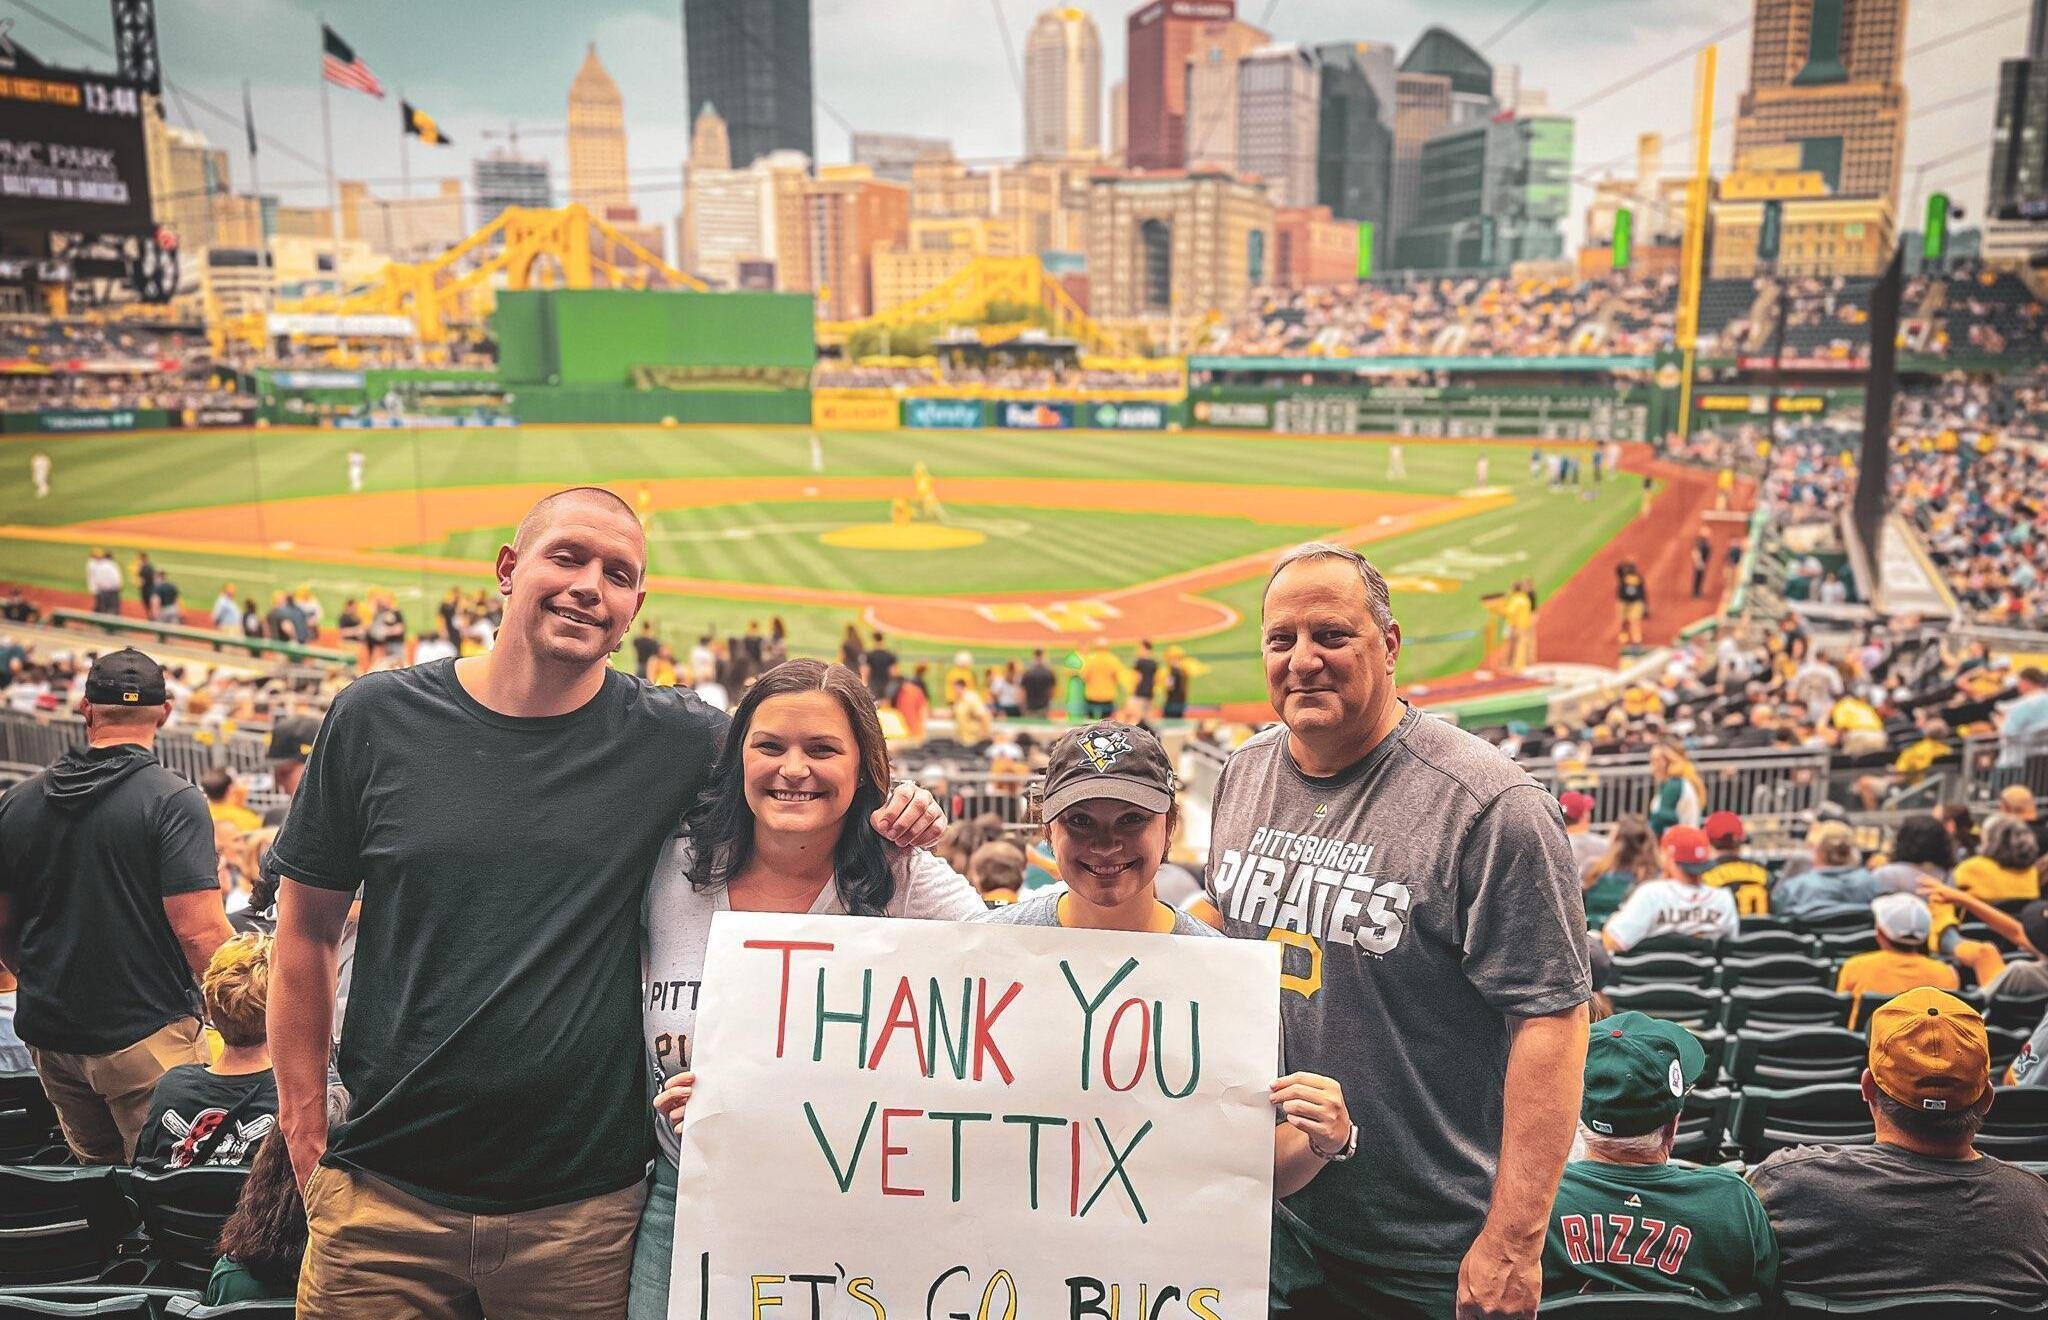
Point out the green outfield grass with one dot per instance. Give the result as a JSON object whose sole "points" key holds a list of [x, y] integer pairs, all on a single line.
{"points": [[1541, 535]]}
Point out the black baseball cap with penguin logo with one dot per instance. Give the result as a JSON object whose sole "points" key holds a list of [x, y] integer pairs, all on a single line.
{"points": [[125, 677], [1107, 760]]}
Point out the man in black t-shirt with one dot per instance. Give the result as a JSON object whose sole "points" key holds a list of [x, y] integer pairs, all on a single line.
{"points": [[502, 815], [109, 907], [1038, 682], [645, 647], [881, 663], [1147, 668]]}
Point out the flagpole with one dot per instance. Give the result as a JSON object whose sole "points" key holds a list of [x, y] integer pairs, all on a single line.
{"points": [[255, 174], [327, 135], [404, 166]]}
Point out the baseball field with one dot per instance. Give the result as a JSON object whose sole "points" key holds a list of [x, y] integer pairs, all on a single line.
{"points": [[1026, 538]]}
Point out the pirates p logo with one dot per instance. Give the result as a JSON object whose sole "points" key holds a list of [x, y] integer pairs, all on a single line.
{"points": [[1104, 750]]}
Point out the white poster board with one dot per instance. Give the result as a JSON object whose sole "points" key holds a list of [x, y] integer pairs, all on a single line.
{"points": [[1021, 1123]]}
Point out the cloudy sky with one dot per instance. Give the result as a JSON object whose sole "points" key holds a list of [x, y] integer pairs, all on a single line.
{"points": [[940, 68]]}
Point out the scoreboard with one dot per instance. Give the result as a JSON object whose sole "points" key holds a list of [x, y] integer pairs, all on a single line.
{"points": [[72, 153]]}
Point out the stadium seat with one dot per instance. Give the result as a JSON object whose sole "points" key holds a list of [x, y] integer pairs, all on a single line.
{"points": [[28, 1125], [1685, 1005], [2014, 1012], [1837, 923], [2017, 1126], [1776, 969], [182, 1211], [278, 1309], [118, 1306], [2006, 1044], [1752, 943], [1702, 1125], [1840, 944], [1664, 969], [1625, 1306], [1801, 1056], [1828, 1113], [1773, 1008], [1764, 921], [59, 1225], [1677, 944], [1927, 1306], [88, 1293]]}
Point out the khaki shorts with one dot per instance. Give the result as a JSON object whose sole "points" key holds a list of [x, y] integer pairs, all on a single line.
{"points": [[374, 1251], [102, 1100]]}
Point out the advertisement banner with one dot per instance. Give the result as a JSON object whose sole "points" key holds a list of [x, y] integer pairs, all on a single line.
{"points": [[239, 414], [1248, 415], [854, 412], [88, 419], [901, 1118], [1035, 416], [1124, 416], [952, 414], [317, 380]]}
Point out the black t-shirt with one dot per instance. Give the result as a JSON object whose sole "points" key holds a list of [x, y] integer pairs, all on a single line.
{"points": [[1176, 683], [166, 593], [645, 648], [881, 668], [1148, 675], [492, 1044], [89, 851], [197, 1111], [1039, 682]]}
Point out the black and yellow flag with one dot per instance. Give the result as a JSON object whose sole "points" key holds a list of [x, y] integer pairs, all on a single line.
{"points": [[422, 126]]}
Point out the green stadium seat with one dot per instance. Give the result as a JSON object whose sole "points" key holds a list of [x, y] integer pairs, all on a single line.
{"points": [[1772, 1008], [2017, 1126], [1777, 969], [2006, 1044], [1926, 1306], [1664, 969], [87, 1293], [1650, 1306], [1702, 1126], [59, 1225], [1688, 1006], [1837, 923], [1678, 944], [1837, 945], [182, 1212], [1764, 921], [278, 1309], [28, 1125], [1800, 1056], [1772, 939], [128, 1306], [1829, 1113], [2015, 1012]]}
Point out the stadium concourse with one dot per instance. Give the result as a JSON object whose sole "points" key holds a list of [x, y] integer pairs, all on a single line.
{"points": [[1795, 811]]}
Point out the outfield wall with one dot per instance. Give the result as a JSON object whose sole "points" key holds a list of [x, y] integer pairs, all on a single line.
{"points": [[619, 405], [1456, 412], [571, 337]]}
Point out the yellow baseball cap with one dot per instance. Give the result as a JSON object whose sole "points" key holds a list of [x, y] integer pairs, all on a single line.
{"points": [[1928, 1051]]}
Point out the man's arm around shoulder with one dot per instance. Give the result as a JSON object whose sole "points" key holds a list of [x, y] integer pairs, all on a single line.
{"points": [[302, 976]]}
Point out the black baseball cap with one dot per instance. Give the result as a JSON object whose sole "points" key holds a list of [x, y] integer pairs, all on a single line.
{"points": [[291, 738], [1107, 760], [125, 677]]}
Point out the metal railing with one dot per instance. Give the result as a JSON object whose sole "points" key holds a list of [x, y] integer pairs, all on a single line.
{"points": [[35, 740], [1746, 782]]}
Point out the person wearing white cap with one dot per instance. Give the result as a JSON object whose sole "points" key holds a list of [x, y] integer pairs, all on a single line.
{"points": [[1899, 962]]}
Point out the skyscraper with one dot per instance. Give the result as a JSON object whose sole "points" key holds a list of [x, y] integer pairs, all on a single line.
{"points": [[597, 138], [1157, 39], [503, 180], [1211, 133], [1276, 121], [1355, 135], [1063, 87], [710, 141], [2016, 202], [1422, 109], [753, 61], [1824, 76]]}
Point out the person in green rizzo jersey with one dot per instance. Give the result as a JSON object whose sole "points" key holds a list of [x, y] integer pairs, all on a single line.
{"points": [[1626, 1218]]}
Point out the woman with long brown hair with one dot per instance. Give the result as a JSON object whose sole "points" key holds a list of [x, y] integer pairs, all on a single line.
{"points": [[786, 825], [1630, 859], [265, 1238]]}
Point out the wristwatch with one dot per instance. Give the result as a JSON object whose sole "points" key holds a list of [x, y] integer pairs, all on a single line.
{"points": [[1349, 1149]]}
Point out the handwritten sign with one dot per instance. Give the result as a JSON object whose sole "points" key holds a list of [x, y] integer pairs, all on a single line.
{"points": [[919, 1119]]}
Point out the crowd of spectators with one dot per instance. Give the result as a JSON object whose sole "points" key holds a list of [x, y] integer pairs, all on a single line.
{"points": [[50, 363]]}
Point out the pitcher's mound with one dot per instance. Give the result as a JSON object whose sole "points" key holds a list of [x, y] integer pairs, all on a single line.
{"points": [[908, 536]]}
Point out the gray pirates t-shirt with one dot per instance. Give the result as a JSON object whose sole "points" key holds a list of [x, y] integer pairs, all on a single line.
{"points": [[1423, 896], [677, 927]]}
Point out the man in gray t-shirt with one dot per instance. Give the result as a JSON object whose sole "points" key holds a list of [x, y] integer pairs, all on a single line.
{"points": [[1436, 963]]}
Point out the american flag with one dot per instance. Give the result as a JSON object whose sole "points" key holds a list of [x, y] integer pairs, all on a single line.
{"points": [[340, 64]]}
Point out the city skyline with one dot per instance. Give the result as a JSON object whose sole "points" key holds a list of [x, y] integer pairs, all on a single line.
{"points": [[520, 66]]}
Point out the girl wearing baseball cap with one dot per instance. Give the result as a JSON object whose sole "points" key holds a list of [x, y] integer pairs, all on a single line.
{"points": [[1108, 808]]}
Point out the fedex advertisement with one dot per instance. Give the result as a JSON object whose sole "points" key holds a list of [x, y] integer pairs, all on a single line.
{"points": [[1035, 416]]}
